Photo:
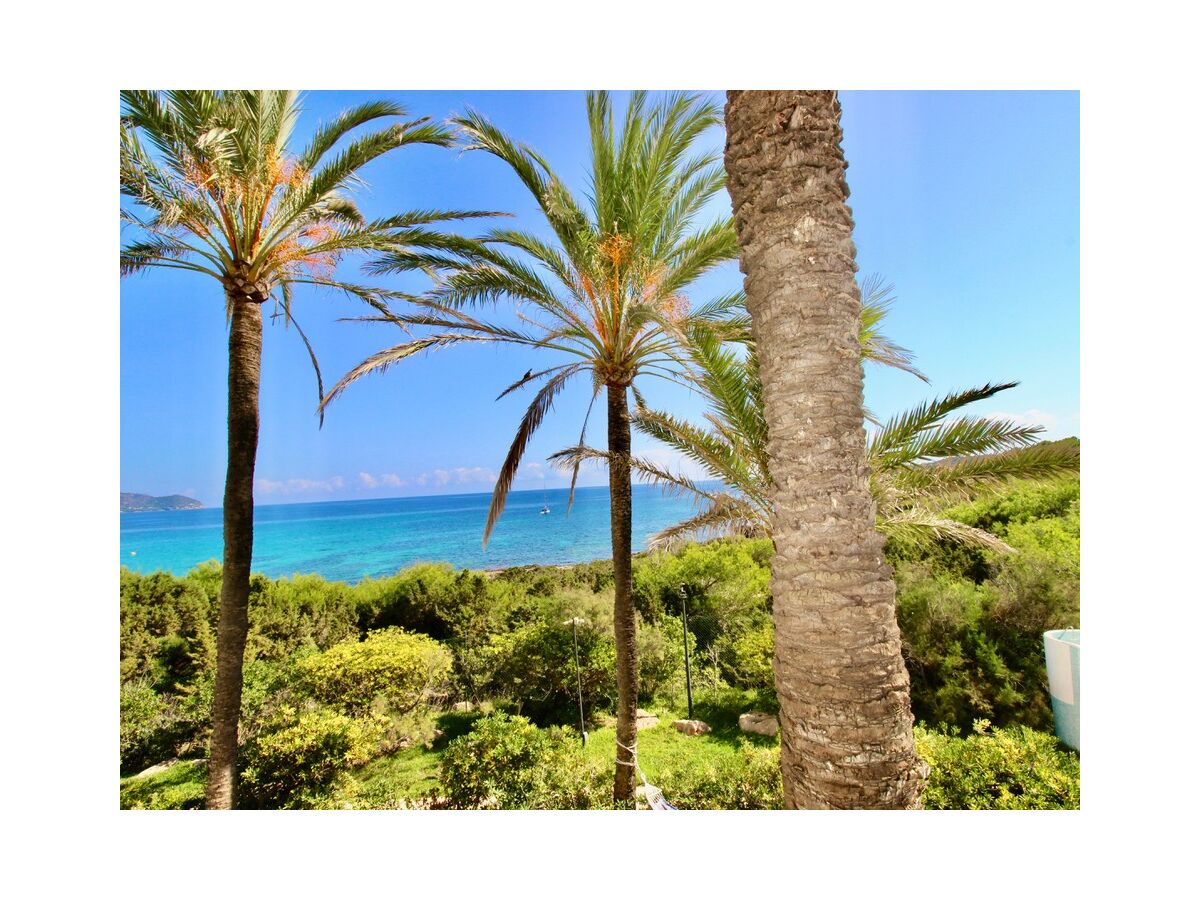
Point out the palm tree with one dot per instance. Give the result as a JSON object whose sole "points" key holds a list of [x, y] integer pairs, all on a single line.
{"points": [[218, 192], [843, 689], [918, 461], [606, 292]]}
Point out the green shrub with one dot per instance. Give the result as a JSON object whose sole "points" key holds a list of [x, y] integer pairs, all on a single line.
{"points": [[726, 581], [391, 666], [534, 666], [150, 725], [975, 650], [298, 614], [751, 779], [301, 754], [1015, 768], [167, 629], [1019, 504], [748, 659], [660, 661], [430, 598], [507, 762]]}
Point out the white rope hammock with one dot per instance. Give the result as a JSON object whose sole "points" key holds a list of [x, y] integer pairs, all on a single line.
{"points": [[654, 795]]}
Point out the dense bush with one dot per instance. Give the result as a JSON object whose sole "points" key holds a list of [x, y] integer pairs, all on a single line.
{"points": [[434, 599], [974, 649], [726, 582], [301, 754], [167, 629], [150, 725], [507, 762], [748, 659], [534, 666], [1015, 768], [660, 660], [302, 613], [391, 667]]}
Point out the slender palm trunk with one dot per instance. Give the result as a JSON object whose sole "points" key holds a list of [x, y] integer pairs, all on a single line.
{"points": [[245, 358], [625, 623], [842, 685]]}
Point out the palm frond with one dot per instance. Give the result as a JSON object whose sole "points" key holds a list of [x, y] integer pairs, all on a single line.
{"points": [[727, 515], [923, 529], [530, 422]]}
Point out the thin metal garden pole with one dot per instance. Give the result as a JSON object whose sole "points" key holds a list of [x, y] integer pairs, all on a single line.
{"points": [[687, 660], [578, 679]]}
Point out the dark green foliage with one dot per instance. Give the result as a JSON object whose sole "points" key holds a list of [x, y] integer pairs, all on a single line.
{"points": [[301, 613], [534, 666], [974, 649], [507, 762], [725, 581], [167, 629], [660, 660], [748, 659], [1015, 768], [433, 599]]}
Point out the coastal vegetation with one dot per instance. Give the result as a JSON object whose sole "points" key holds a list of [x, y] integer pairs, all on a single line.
{"points": [[449, 688], [840, 589]]}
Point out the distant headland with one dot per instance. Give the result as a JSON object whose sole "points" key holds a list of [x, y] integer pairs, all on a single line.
{"points": [[146, 503]]}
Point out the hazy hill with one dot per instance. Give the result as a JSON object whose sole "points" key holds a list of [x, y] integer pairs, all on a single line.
{"points": [[146, 503]]}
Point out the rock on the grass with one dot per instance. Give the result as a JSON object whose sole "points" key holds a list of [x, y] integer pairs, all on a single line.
{"points": [[156, 769], [646, 719], [759, 723]]}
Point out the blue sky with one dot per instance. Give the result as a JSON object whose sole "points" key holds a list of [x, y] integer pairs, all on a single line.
{"points": [[968, 202]]}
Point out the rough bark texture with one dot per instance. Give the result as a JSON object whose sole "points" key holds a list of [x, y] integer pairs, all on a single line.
{"points": [[245, 358], [625, 623], [843, 689]]}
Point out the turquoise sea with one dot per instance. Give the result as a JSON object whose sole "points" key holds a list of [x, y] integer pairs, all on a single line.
{"points": [[353, 539]]}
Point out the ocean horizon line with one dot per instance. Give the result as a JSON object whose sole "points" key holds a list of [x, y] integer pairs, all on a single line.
{"points": [[578, 489], [348, 539]]}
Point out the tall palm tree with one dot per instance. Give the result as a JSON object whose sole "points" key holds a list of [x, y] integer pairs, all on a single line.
{"points": [[218, 192], [606, 293], [843, 689], [919, 461]]}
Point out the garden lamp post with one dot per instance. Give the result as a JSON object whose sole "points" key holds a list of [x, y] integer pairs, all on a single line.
{"points": [[687, 659], [574, 622]]}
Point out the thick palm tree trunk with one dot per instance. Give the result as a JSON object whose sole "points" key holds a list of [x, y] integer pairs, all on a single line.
{"points": [[625, 623], [245, 358], [842, 685]]}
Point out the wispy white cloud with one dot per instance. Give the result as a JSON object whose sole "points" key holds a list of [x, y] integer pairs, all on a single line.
{"points": [[391, 479], [299, 485], [458, 475], [367, 480], [1046, 420]]}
